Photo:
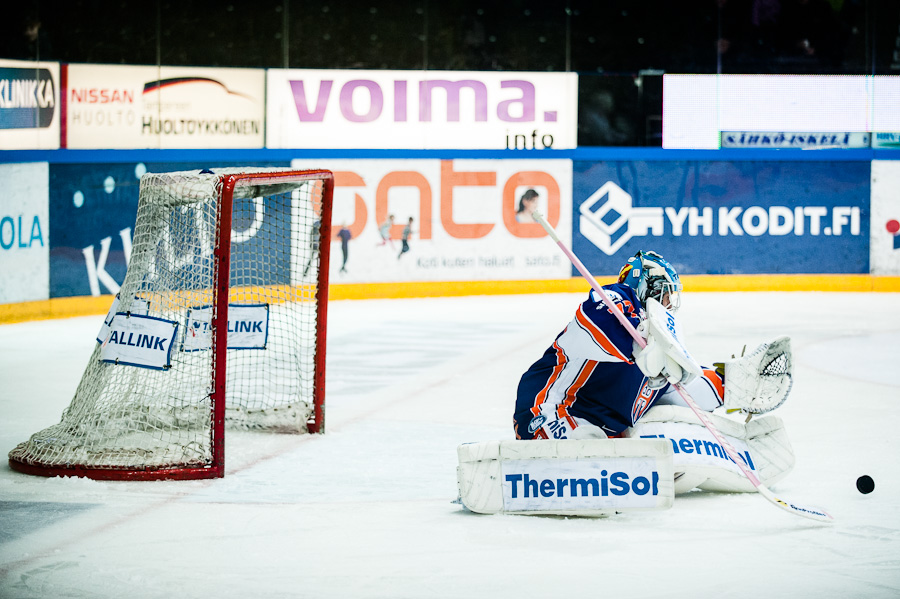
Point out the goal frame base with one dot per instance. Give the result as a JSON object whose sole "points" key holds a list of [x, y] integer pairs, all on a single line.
{"points": [[117, 474]]}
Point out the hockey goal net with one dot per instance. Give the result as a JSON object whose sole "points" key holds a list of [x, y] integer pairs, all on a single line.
{"points": [[220, 321]]}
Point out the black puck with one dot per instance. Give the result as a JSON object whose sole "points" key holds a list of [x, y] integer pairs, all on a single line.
{"points": [[865, 484]]}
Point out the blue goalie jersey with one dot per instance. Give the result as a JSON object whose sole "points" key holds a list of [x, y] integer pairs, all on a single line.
{"points": [[587, 376]]}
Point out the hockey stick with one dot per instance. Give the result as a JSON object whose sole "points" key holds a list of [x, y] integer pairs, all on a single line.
{"points": [[807, 512]]}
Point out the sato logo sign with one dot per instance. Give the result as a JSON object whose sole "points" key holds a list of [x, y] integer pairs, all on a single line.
{"points": [[609, 219]]}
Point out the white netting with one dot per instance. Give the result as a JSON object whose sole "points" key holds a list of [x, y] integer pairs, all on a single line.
{"points": [[759, 382], [133, 418]]}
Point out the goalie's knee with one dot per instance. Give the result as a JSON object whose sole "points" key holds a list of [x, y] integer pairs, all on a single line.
{"points": [[560, 427]]}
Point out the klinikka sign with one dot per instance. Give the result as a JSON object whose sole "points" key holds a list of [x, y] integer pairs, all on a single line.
{"points": [[421, 109], [29, 105]]}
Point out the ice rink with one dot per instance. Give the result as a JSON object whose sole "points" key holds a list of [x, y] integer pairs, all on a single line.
{"points": [[367, 510]]}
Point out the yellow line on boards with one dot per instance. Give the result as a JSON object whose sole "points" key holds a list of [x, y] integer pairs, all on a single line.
{"points": [[67, 307]]}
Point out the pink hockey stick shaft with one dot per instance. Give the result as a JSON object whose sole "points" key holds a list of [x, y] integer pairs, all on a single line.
{"points": [[814, 514]]}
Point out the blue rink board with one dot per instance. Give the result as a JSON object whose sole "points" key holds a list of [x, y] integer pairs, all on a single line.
{"points": [[632, 215], [833, 181], [106, 207]]}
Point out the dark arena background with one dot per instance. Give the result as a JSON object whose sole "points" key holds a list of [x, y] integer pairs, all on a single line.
{"points": [[755, 144]]}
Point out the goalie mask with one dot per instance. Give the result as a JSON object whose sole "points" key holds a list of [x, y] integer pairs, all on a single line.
{"points": [[650, 275]]}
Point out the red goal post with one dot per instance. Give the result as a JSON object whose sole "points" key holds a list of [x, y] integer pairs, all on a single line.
{"points": [[220, 323]]}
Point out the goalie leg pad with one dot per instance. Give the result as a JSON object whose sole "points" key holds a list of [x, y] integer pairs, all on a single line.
{"points": [[568, 478], [700, 462]]}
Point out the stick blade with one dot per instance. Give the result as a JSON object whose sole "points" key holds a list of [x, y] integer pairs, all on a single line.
{"points": [[806, 511]]}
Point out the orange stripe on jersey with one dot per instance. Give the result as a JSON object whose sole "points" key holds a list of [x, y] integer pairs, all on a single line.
{"points": [[586, 371], [541, 397], [562, 411], [598, 335], [571, 393], [717, 382]]}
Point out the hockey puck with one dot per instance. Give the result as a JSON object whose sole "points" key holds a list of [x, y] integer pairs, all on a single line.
{"points": [[865, 484]]}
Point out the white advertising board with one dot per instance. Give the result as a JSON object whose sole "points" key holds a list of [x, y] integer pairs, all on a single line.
{"points": [[697, 108], [122, 107], [248, 327], [137, 340], [421, 109], [24, 232], [29, 105], [884, 242], [464, 228]]}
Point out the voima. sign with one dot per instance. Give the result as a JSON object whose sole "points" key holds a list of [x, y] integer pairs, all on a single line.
{"points": [[421, 110]]}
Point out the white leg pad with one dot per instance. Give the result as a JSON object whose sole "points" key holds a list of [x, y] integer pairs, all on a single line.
{"points": [[567, 477], [700, 462]]}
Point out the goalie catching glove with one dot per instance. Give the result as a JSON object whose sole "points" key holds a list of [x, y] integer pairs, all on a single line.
{"points": [[759, 382], [664, 358]]}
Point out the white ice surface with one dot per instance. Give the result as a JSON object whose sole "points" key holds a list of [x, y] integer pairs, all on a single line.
{"points": [[365, 510]]}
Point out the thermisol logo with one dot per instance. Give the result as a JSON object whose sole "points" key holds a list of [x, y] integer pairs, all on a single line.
{"points": [[581, 483], [608, 483], [689, 448], [609, 219]]}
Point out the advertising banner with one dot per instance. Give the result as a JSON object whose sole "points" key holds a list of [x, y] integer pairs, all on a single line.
{"points": [[421, 109], [792, 139], [24, 232], [122, 107], [137, 340], [29, 105], [92, 215], [724, 217], [697, 108], [468, 220], [885, 233], [886, 140], [248, 327]]}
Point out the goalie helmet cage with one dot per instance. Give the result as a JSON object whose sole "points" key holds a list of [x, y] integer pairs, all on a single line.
{"points": [[252, 243]]}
